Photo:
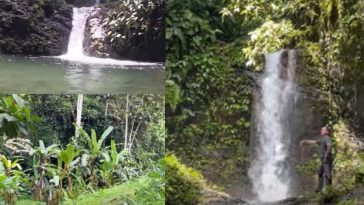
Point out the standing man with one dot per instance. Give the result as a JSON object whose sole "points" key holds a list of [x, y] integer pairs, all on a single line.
{"points": [[326, 157]]}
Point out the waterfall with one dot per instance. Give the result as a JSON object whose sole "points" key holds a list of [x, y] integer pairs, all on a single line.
{"points": [[75, 51], [270, 169], [75, 44]]}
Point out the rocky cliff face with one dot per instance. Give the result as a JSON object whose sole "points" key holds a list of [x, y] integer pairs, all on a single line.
{"points": [[81, 3], [96, 43], [100, 40], [34, 28]]}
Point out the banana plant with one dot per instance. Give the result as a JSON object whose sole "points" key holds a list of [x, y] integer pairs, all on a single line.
{"points": [[54, 195], [66, 162], [109, 163], [10, 179], [42, 167], [9, 165], [92, 152], [95, 145]]}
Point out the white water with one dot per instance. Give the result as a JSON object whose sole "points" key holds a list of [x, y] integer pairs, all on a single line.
{"points": [[75, 51], [75, 45], [269, 171]]}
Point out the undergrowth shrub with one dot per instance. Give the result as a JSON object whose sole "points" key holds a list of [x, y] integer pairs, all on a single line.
{"points": [[155, 191], [183, 184]]}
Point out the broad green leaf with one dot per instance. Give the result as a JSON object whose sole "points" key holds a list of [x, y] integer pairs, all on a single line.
{"points": [[18, 100], [7, 117], [106, 156], [42, 147], [51, 147], [94, 146], [104, 135]]}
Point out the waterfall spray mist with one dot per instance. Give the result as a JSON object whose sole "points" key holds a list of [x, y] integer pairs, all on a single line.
{"points": [[270, 171]]}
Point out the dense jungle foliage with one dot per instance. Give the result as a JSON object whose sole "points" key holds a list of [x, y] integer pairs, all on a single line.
{"points": [[214, 48], [136, 28], [119, 146]]}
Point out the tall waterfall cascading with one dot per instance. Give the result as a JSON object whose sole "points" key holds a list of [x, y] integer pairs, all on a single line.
{"points": [[75, 51], [75, 45], [270, 171]]}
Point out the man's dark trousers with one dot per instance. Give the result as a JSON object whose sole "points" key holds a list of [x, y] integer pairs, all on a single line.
{"points": [[325, 174]]}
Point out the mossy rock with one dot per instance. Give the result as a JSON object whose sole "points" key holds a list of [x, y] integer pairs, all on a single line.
{"points": [[184, 185]]}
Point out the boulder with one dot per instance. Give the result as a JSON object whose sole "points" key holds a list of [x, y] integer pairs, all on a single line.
{"points": [[96, 43], [211, 197], [300, 200]]}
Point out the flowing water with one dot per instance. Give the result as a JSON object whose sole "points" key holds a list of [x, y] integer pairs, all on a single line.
{"points": [[75, 50], [270, 171], [74, 72], [75, 45]]}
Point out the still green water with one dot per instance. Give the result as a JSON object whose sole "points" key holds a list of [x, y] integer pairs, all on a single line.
{"points": [[52, 75]]}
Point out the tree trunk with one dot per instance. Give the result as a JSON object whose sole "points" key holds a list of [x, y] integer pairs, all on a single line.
{"points": [[69, 180], [78, 114], [60, 190], [126, 122]]}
